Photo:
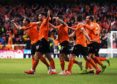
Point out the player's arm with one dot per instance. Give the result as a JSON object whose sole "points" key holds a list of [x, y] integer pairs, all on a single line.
{"points": [[64, 23], [17, 26], [88, 27], [48, 16], [86, 34], [20, 27], [72, 34], [72, 28], [97, 30], [60, 20], [53, 26], [38, 22]]}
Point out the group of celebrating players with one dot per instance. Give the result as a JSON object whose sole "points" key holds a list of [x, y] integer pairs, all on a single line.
{"points": [[87, 43]]}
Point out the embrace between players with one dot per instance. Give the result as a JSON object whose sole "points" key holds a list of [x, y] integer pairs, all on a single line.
{"points": [[87, 43]]}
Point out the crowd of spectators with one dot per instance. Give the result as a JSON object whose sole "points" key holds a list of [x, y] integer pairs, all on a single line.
{"points": [[105, 14]]}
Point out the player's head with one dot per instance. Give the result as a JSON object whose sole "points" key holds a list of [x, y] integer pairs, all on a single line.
{"points": [[92, 18], [40, 17], [11, 32], [26, 21], [89, 18], [44, 15], [79, 18], [60, 17]]}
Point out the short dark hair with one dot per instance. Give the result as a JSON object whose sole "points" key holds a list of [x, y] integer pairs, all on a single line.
{"points": [[27, 19], [91, 18], [79, 18], [11, 31], [44, 14]]}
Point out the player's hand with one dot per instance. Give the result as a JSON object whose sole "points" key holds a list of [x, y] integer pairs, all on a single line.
{"points": [[92, 41], [12, 21], [55, 17], [49, 12]]}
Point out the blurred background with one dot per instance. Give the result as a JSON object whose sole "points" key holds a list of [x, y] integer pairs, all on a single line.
{"points": [[105, 12]]}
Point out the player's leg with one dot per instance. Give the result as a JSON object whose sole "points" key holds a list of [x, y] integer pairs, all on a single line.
{"points": [[44, 61], [88, 58], [45, 49], [70, 65], [36, 55], [34, 64], [39, 54], [100, 57], [88, 68], [36, 60], [91, 61], [97, 60], [95, 47], [75, 52], [104, 59], [52, 64], [62, 63], [75, 62], [63, 53]]}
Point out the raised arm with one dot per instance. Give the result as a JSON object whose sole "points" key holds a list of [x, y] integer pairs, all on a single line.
{"points": [[72, 28], [60, 20], [17, 26], [48, 15], [53, 26], [39, 22], [72, 34]]}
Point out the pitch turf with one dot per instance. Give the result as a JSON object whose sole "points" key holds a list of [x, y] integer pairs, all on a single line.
{"points": [[12, 72]]}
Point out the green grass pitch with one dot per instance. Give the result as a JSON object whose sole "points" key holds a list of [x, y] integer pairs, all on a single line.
{"points": [[12, 72]]}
